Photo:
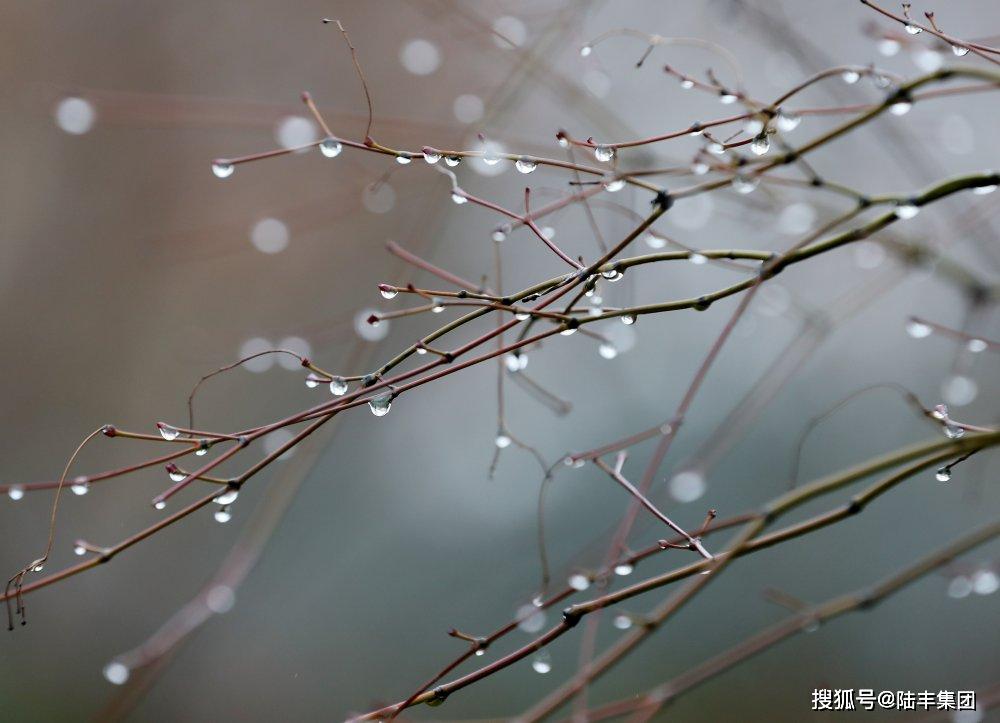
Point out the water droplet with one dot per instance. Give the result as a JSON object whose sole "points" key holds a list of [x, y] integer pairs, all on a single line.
{"points": [[15, 492], [959, 50], [75, 115], [959, 587], [913, 29], [338, 386], [623, 569], [687, 486], [116, 673], [312, 381], [437, 308], [175, 474], [918, 330], [39, 567], [80, 486], [727, 98], [614, 185], [745, 184], [522, 316], [716, 148], [811, 625], [699, 168], [515, 361], [223, 169], [403, 159], [985, 582], [753, 126], [458, 198], [622, 622], [167, 432], [227, 497], [530, 618], [953, 431], [697, 259], [850, 77], [480, 652], [585, 51], [331, 147], [202, 449], [380, 405], [604, 153], [568, 331], [452, 161], [976, 345], [388, 292], [499, 235], [654, 241], [687, 83], [431, 157], [79, 550], [881, 81], [760, 145], [608, 351], [888, 47], [220, 599], [900, 108], [787, 121], [579, 582], [223, 515], [420, 57], [525, 165], [161, 505], [628, 319], [943, 475], [542, 662], [502, 441], [490, 156], [984, 190], [907, 210], [959, 390]]}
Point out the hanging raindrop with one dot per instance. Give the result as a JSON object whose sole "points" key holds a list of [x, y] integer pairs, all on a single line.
{"points": [[604, 153], [850, 77], [623, 569], [227, 497], [525, 165], [959, 50], [542, 662], [760, 145], [388, 292], [452, 161], [167, 432], [907, 210], [431, 157], [586, 50], [943, 474], [223, 515], [787, 121], [458, 198], [15, 492], [380, 405], [628, 319], [502, 441], [223, 169], [338, 386], [608, 351], [80, 486], [913, 29], [745, 184], [614, 185], [331, 147]]}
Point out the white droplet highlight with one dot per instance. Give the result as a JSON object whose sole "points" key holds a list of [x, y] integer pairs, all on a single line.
{"points": [[420, 57], [75, 116], [269, 236], [687, 486]]}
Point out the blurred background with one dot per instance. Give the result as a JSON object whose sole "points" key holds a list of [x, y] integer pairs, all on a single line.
{"points": [[128, 270]]}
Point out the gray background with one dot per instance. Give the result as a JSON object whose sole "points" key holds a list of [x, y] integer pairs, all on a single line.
{"points": [[126, 272]]}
